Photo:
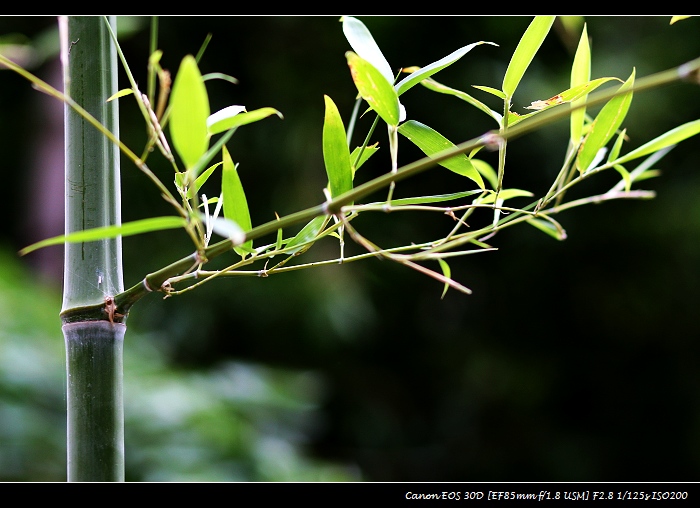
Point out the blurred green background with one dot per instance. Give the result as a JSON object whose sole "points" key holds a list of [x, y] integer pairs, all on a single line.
{"points": [[571, 361]]}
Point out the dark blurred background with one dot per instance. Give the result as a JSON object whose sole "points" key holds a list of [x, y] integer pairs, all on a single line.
{"points": [[571, 361]]}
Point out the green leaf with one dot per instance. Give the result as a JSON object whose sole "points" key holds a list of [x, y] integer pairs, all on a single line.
{"points": [[235, 203], [102, 233], [425, 72], [336, 154], [604, 126], [529, 43], [121, 93], [580, 73], [235, 116], [366, 154], [487, 171], [423, 200], [432, 142], [447, 273], [678, 18], [625, 176], [490, 90], [671, 137], [552, 228], [189, 112], [615, 151], [363, 43], [433, 85], [374, 88], [503, 196], [307, 233], [201, 179]]}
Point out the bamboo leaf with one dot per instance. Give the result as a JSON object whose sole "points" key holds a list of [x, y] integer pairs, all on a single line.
{"points": [[374, 88], [490, 90], [604, 126], [671, 137], [678, 18], [121, 93], [423, 200], [425, 72], [227, 228], [364, 45], [447, 273], [201, 179], [503, 196], [625, 176], [336, 154], [366, 154], [486, 171], [433, 85], [615, 151], [551, 227], [235, 203], [580, 73], [102, 233], [432, 142], [188, 116], [529, 43], [307, 233], [235, 116]]}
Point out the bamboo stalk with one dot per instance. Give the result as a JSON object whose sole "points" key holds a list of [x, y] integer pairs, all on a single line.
{"points": [[93, 270]]}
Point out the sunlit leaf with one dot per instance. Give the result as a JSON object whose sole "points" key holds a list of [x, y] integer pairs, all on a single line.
{"points": [[552, 228], [364, 45], [447, 273], [307, 233], [504, 195], [121, 93], [625, 176], [492, 91], [424, 200], [604, 126], [102, 233], [366, 154], [615, 150], [235, 116], [529, 43], [433, 85], [671, 137], [432, 142], [336, 154], [580, 73], [374, 88], [678, 18], [189, 112], [235, 203], [425, 72], [201, 179], [227, 228], [486, 171]]}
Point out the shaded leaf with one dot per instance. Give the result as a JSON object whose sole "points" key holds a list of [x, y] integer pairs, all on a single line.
{"points": [[432, 142], [423, 200], [552, 228]]}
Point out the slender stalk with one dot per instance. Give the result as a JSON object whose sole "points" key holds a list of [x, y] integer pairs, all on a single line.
{"points": [[93, 271]]}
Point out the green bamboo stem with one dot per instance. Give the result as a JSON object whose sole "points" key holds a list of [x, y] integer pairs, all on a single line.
{"points": [[93, 270]]}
